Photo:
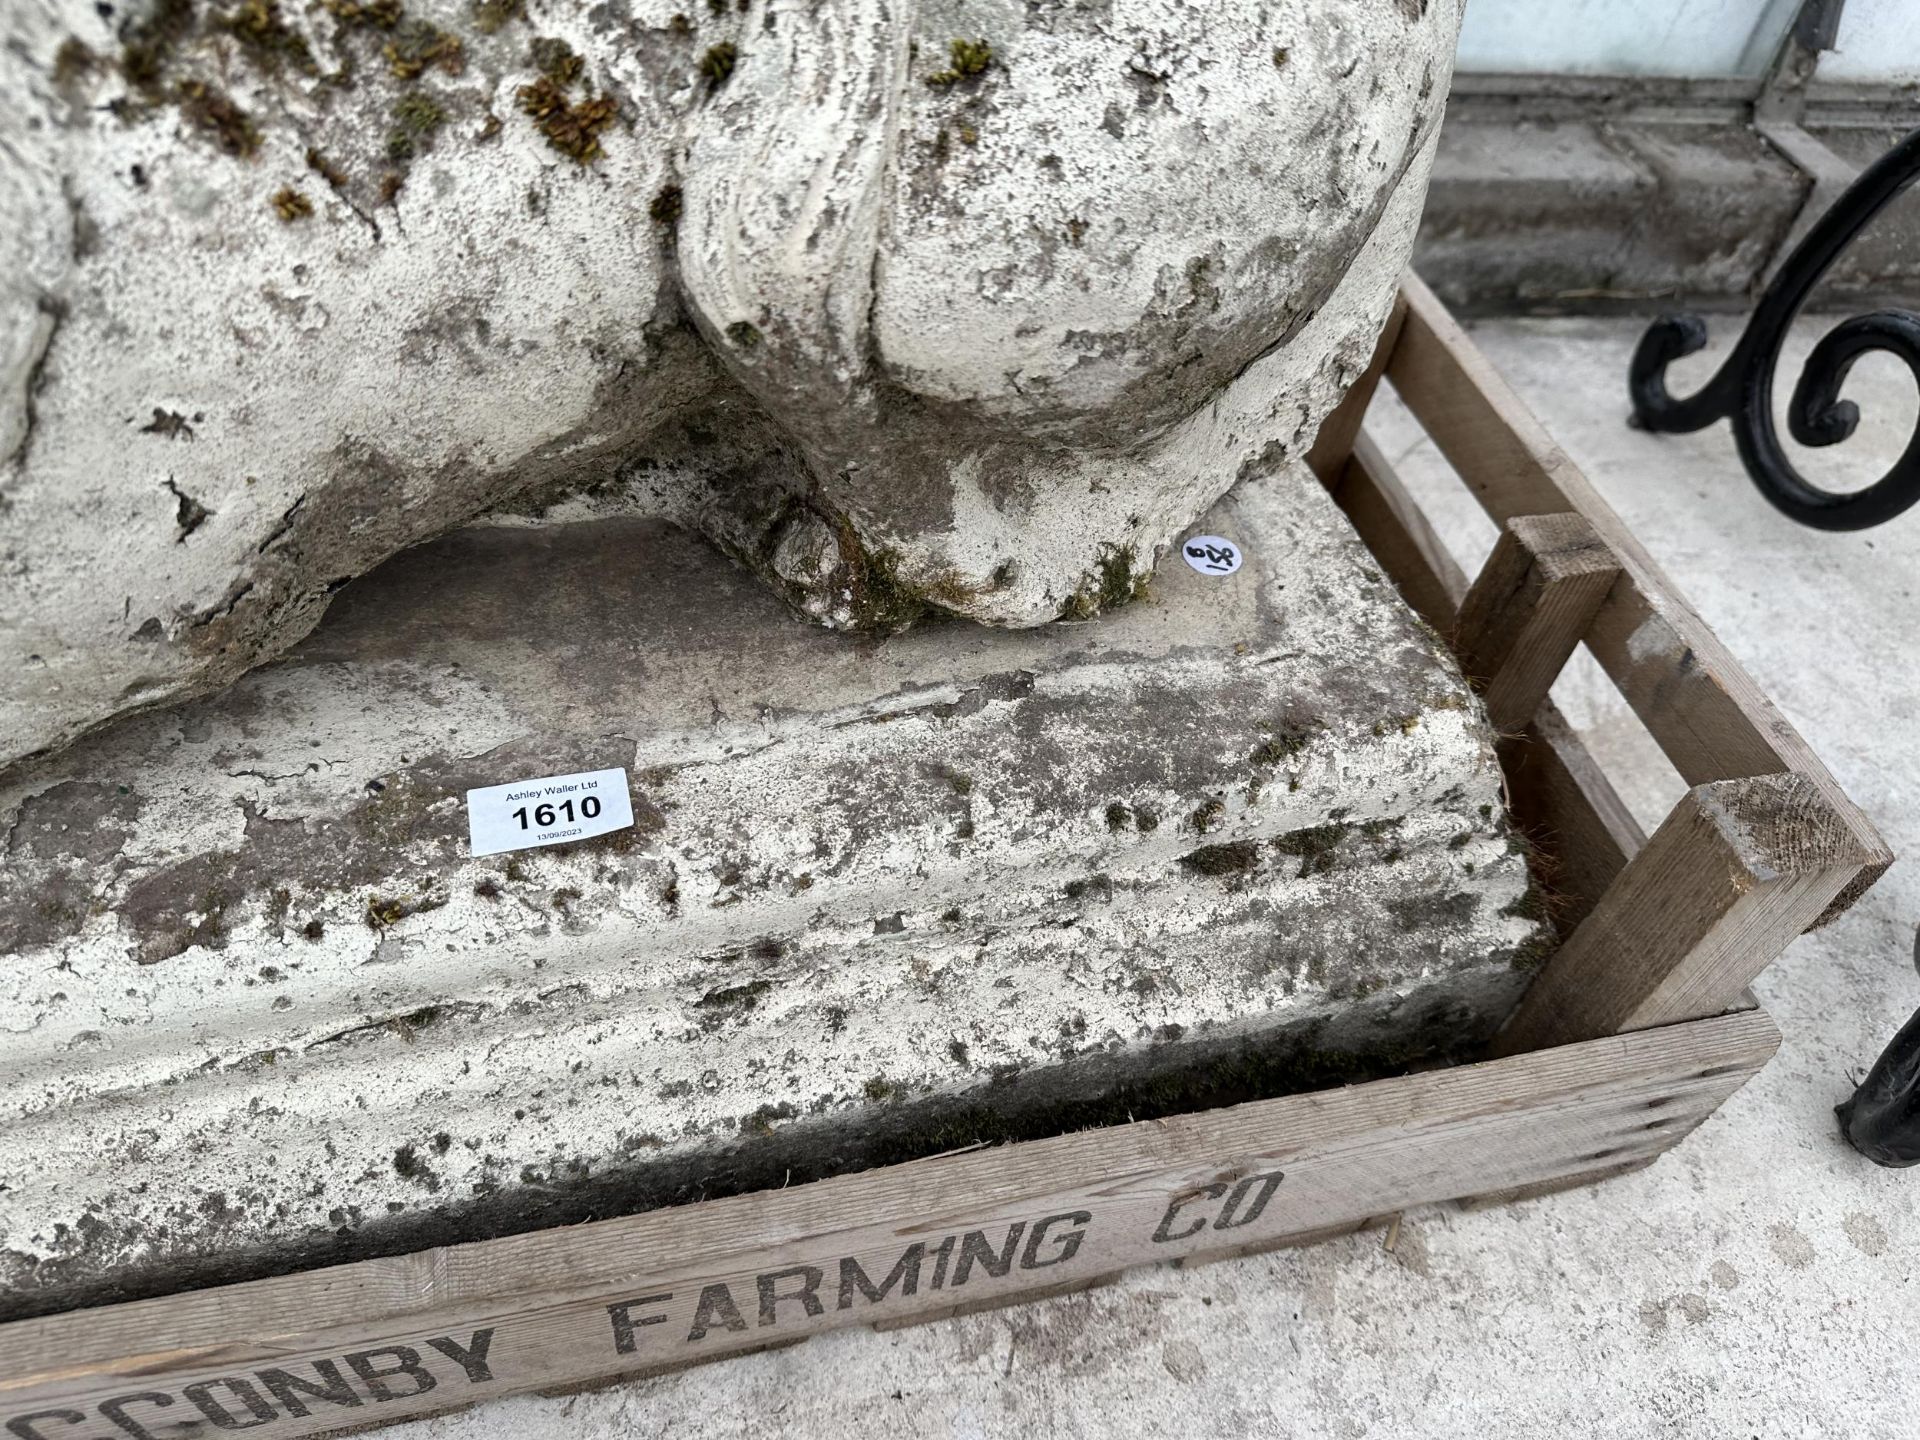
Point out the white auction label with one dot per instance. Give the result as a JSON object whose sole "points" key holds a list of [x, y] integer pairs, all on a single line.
{"points": [[1211, 555], [549, 811]]}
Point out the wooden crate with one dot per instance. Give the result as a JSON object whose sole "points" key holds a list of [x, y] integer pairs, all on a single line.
{"points": [[1636, 1029]]}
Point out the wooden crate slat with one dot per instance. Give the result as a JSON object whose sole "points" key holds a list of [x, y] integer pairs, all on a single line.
{"points": [[733, 1273], [1371, 496], [1709, 716], [1558, 794], [1727, 882], [1528, 608]]}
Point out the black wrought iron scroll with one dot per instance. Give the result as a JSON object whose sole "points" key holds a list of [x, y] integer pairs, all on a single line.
{"points": [[1742, 388]]}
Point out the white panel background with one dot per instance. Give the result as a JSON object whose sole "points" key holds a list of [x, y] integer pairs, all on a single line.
{"points": [[1879, 40], [1647, 37]]}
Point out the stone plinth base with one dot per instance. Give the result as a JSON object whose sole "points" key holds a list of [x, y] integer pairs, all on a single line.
{"points": [[883, 897]]}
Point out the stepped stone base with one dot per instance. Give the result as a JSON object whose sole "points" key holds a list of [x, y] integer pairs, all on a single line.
{"points": [[883, 897]]}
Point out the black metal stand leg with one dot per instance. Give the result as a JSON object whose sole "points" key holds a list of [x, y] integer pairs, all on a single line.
{"points": [[1742, 389]]}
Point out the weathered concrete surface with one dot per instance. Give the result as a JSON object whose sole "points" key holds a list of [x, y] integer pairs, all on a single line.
{"points": [[1585, 210], [1882, 267], [1758, 1281], [988, 301], [882, 896]]}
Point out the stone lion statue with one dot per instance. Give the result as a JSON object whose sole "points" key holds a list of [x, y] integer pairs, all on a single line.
{"points": [[908, 307]]}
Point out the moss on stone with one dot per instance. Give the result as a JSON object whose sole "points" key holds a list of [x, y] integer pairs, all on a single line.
{"points": [[1532, 953], [555, 59], [1233, 858], [417, 114], [491, 16], [666, 206], [1288, 740], [1097, 884], [73, 60], [1426, 912], [760, 1122], [734, 999], [1113, 585], [147, 45], [717, 64], [211, 111], [366, 14], [573, 128], [268, 40], [966, 59], [419, 44], [290, 205], [1530, 904], [1315, 846], [321, 165], [384, 912]]}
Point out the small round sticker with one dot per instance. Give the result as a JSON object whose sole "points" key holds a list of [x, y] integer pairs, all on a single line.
{"points": [[1211, 554]]}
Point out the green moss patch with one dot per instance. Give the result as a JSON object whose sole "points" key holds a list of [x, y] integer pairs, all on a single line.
{"points": [[717, 64], [1217, 861], [966, 60], [571, 127], [1315, 846], [418, 45]]}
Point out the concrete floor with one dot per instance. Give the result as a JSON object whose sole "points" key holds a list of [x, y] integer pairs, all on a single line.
{"points": [[1757, 1282]]}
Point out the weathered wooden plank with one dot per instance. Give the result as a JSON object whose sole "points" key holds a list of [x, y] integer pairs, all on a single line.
{"points": [[1734, 874], [1706, 712], [1529, 607], [1331, 447], [384, 1339], [1371, 496], [1560, 1185], [1558, 794]]}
